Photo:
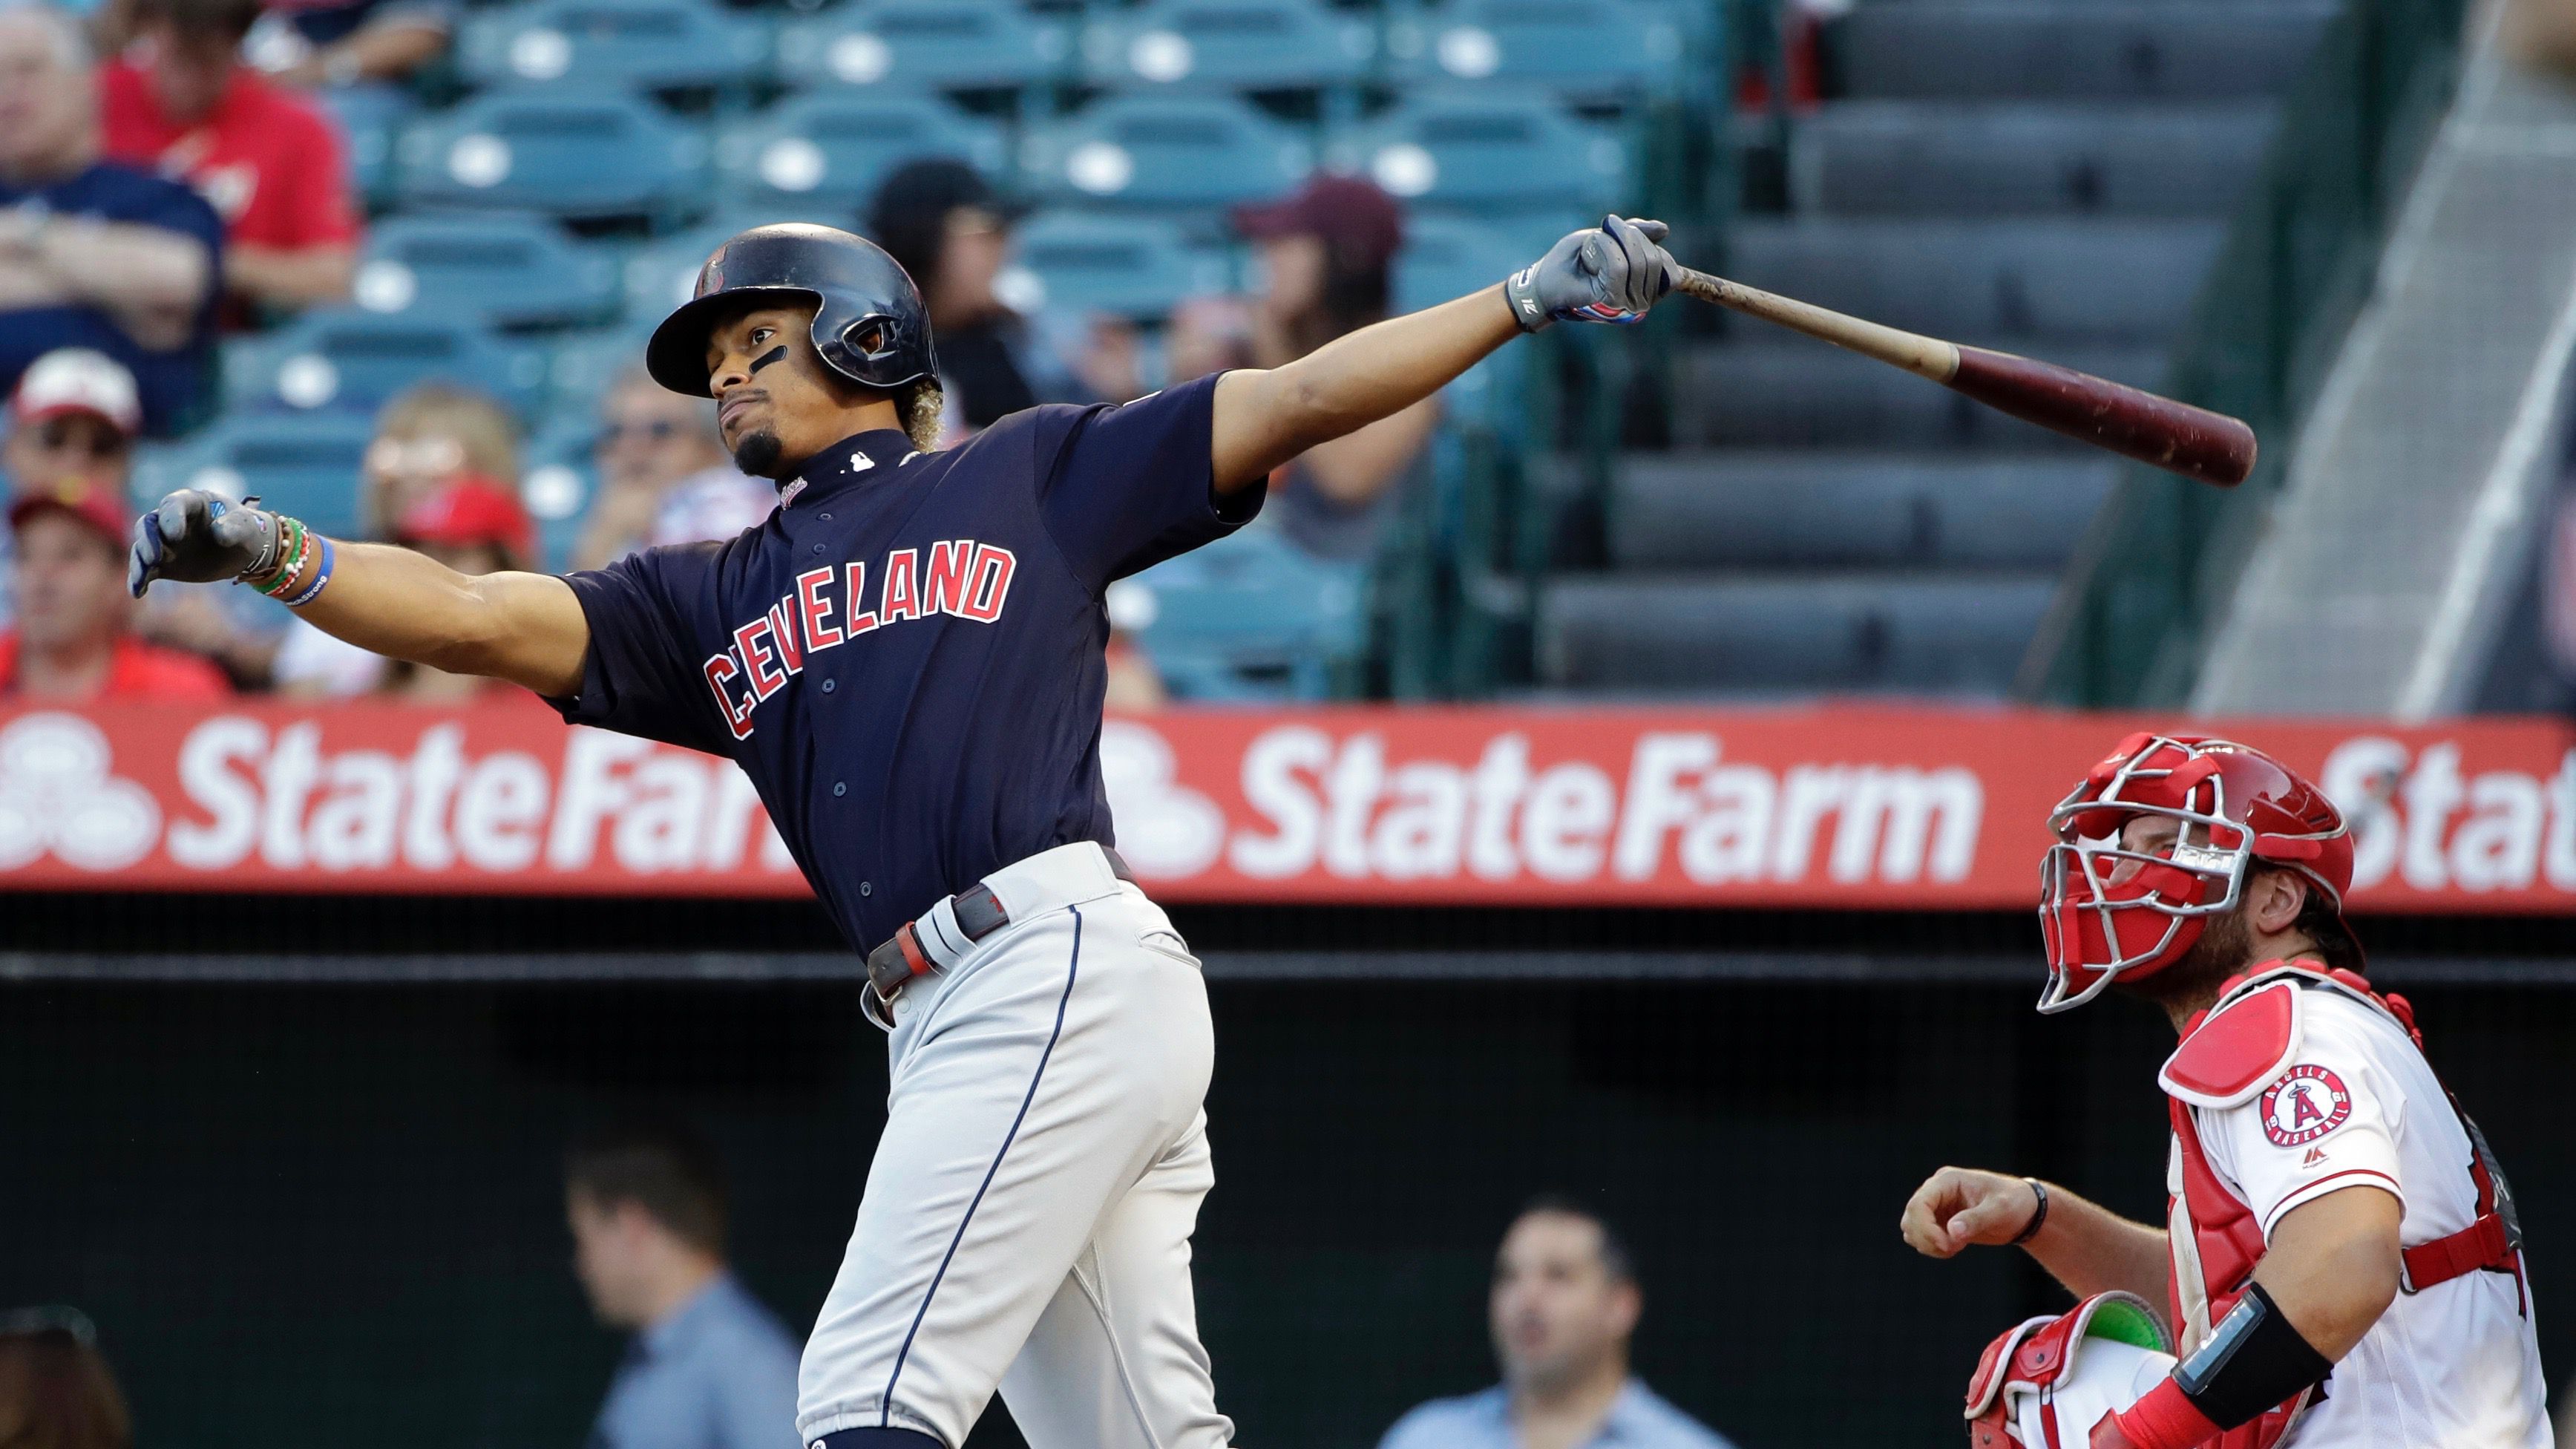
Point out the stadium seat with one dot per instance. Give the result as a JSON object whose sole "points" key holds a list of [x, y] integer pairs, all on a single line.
{"points": [[1166, 151], [827, 151], [307, 466], [923, 44], [661, 274], [627, 44], [347, 360], [1131, 266], [581, 157], [1487, 149], [1450, 256], [1777, 391], [1252, 617], [1818, 509], [502, 271], [1227, 44], [370, 116], [1589, 49], [556, 482], [581, 365], [1992, 50], [1932, 158]]}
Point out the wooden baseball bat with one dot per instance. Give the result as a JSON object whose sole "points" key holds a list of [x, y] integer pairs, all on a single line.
{"points": [[2195, 442]]}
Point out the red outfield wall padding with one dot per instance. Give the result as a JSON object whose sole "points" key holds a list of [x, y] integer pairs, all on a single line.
{"points": [[1857, 806]]}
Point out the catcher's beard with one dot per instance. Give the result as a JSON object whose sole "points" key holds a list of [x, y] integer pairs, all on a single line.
{"points": [[2225, 947], [758, 453]]}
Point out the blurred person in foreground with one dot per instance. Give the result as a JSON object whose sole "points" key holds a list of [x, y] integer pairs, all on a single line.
{"points": [[1565, 1303], [2342, 1264], [1327, 254], [180, 102], [94, 253], [709, 1367], [56, 1391], [664, 476], [939, 219], [428, 436], [73, 639], [475, 526], [73, 414]]}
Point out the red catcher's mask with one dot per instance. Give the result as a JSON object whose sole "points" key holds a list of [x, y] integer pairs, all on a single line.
{"points": [[2110, 912]]}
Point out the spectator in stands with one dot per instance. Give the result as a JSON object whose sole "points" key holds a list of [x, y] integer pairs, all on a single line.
{"points": [[73, 414], [181, 102], [428, 436], [92, 253], [710, 1368], [55, 1390], [939, 218], [1564, 1304], [312, 43], [664, 476], [1326, 253], [475, 526], [73, 640], [1135, 685]]}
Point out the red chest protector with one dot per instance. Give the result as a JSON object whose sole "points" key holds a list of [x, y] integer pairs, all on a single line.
{"points": [[2228, 1053]]}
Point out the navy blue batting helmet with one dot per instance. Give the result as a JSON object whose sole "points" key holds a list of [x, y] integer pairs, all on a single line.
{"points": [[869, 324]]}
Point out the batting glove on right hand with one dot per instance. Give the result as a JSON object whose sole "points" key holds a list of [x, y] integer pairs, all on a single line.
{"points": [[196, 537], [1611, 273]]}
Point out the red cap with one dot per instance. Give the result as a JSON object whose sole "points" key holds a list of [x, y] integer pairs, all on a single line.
{"points": [[78, 380], [1355, 218], [97, 504], [471, 510]]}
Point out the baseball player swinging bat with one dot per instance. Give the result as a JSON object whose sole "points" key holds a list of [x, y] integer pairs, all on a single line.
{"points": [[2195, 442]]}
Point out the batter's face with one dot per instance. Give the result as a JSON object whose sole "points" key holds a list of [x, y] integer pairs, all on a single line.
{"points": [[777, 404], [1558, 1314]]}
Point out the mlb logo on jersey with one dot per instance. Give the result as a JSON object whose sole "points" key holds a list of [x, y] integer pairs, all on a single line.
{"points": [[956, 578], [2306, 1104]]}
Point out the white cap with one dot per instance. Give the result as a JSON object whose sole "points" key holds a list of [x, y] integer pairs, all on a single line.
{"points": [[78, 380]]}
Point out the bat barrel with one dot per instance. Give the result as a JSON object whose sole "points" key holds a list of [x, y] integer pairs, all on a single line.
{"points": [[2195, 442]]}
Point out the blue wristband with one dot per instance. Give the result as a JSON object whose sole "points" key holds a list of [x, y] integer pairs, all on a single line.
{"points": [[321, 576]]}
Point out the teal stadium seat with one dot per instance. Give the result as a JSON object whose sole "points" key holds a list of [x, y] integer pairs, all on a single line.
{"points": [[501, 271], [581, 365], [370, 116], [1490, 150], [1582, 49], [1251, 617], [1227, 45], [1166, 151], [558, 483], [961, 45], [645, 45], [581, 157], [1129, 266], [308, 466], [1450, 256], [825, 152], [347, 360]]}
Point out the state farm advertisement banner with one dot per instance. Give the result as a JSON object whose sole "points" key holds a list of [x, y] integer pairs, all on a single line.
{"points": [[1831, 806]]}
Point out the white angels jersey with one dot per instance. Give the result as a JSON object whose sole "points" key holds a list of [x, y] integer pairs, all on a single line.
{"points": [[2455, 1365]]}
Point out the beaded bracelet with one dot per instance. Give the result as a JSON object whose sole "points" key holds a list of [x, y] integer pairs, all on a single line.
{"points": [[298, 551], [322, 576]]}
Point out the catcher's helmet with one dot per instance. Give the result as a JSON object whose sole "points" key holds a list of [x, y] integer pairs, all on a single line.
{"points": [[869, 324], [2235, 804]]}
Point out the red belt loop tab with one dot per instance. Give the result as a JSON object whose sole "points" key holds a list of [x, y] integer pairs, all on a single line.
{"points": [[2483, 1244], [908, 941]]}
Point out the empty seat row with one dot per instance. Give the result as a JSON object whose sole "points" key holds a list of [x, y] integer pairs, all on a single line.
{"points": [[1840, 509], [605, 157], [1929, 158], [1604, 48], [2113, 50]]}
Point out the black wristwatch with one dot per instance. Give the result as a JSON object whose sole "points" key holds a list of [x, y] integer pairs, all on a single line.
{"points": [[2038, 1216]]}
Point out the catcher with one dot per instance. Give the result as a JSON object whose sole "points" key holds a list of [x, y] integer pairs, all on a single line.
{"points": [[2341, 1261]]}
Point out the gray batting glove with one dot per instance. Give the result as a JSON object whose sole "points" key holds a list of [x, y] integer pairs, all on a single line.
{"points": [[1611, 273], [196, 537]]}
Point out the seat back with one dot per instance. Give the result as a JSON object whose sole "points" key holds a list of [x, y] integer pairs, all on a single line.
{"points": [[631, 44], [1488, 149], [569, 155], [349, 361], [307, 466], [1227, 44], [1168, 151], [924, 45], [831, 149], [1252, 617], [501, 271], [1584, 48], [1133, 267]]}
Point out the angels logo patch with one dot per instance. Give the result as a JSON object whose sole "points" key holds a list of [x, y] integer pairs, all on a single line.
{"points": [[2306, 1104]]}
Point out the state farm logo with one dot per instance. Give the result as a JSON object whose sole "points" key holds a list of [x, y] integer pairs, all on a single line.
{"points": [[57, 798], [1164, 828], [2420, 820]]}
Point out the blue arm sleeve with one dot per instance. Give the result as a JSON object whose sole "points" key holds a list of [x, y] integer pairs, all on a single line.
{"points": [[642, 674], [1134, 485]]}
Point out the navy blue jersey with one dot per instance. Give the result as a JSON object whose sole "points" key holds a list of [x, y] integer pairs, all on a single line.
{"points": [[907, 657]]}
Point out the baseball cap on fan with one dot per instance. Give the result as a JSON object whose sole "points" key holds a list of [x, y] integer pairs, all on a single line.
{"points": [[473, 510], [77, 380], [1355, 218], [99, 504]]}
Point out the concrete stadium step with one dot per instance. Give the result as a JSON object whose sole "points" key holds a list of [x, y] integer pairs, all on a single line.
{"points": [[2118, 280], [1755, 635], [1812, 510], [1932, 158], [1783, 391], [1995, 49]]}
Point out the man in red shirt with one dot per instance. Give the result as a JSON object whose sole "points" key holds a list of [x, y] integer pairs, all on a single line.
{"points": [[73, 642], [180, 101]]}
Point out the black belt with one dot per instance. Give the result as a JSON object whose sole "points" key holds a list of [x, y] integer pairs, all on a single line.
{"points": [[979, 913]]}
